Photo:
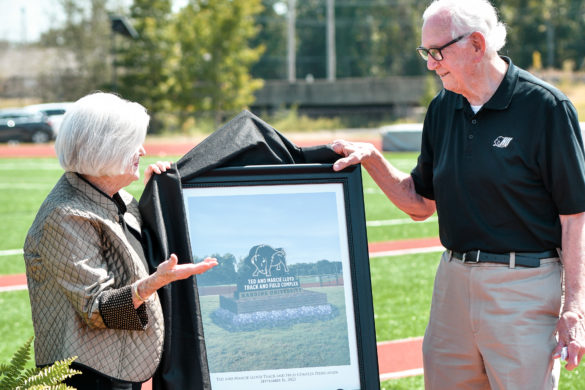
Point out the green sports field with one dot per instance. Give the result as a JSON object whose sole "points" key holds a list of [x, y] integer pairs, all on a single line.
{"points": [[401, 285]]}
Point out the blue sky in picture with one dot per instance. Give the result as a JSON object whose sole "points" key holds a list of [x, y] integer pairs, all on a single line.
{"points": [[305, 225]]}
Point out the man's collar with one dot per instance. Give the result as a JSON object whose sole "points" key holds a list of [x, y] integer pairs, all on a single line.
{"points": [[503, 95]]}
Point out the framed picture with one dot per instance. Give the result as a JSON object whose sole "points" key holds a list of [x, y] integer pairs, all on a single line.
{"points": [[289, 306]]}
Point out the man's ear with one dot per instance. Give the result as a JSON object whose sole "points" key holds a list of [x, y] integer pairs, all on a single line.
{"points": [[478, 43]]}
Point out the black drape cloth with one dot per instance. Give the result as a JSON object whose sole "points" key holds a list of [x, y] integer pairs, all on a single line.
{"points": [[245, 140]]}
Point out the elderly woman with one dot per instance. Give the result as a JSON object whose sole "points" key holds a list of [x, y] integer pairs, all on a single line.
{"points": [[90, 291]]}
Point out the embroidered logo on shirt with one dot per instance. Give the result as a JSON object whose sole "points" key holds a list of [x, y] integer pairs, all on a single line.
{"points": [[502, 142]]}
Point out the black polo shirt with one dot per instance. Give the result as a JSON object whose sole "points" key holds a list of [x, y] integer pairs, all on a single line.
{"points": [[502, 177]]}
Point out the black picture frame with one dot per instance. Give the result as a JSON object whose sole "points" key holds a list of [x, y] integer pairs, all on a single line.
{"points": [[256, 334]]}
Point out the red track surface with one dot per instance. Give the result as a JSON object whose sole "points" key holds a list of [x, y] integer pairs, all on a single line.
{"points": [[172, 148]]}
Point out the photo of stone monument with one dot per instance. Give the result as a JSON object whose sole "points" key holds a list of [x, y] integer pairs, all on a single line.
{"points": [[266, 285], [280, 297]]}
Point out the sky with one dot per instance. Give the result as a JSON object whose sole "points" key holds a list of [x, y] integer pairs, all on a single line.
{"points": [[305, 225], [24, 20]]}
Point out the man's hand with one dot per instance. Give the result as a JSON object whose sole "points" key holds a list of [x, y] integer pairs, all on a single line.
{"points": [[354, 152], [571, 331], [398, 186], [571, 325]]}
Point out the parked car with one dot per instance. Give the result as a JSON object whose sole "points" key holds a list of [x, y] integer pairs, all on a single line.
{"points": [[25, 125], [55, 112]]}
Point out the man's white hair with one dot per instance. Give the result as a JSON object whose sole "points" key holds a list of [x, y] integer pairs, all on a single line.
{"points": [[100, 135], [469, 16]]}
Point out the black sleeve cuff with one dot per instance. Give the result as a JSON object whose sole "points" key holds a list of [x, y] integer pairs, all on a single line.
{"points": [[320, 154], [117, 310]]}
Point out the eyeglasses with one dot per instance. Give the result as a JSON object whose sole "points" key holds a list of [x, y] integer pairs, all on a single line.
{"points": [[435, 52]]}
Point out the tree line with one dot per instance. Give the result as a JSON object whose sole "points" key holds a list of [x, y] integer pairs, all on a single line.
{"points": [[210, 56], [226, 272], [377, 38]]}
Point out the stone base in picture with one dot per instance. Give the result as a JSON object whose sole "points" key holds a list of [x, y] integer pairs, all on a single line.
{"points": [[252, 321], [273, 300]]}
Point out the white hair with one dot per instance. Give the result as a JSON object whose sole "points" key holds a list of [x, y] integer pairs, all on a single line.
{"points": [[100, 135], [468, 16]]}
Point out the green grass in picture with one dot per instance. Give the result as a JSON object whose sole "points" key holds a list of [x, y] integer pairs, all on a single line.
{"points": [[316, 344]]}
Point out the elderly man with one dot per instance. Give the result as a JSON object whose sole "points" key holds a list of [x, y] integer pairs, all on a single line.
{"points": [[502, 163]]}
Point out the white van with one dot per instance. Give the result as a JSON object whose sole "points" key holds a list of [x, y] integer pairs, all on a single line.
{"points": [[55, 112]]}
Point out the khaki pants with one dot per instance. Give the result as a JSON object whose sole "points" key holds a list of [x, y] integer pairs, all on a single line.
{"points": [[491, 326]]}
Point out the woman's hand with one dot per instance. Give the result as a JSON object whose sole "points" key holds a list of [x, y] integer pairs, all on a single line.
{"points": [[158, 168], [168, 271]]}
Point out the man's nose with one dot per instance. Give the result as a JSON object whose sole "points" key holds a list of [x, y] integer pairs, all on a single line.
{"points": [[432, 63]]}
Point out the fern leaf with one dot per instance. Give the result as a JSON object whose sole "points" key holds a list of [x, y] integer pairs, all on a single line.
{"points": [[31, 372], [52, 375], [4, 368], [55, 387], [12, 373], [21, 355]]}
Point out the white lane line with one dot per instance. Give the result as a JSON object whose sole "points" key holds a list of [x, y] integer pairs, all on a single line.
{"points": [[401, 374], [13, 288], [10, 252], [402, 221], [399, 252]]}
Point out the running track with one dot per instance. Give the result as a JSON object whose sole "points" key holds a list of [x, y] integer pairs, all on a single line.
{"points": [[396, 359], [174, 148]]}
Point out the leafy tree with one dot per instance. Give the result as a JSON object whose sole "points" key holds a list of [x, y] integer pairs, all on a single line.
{"points": [[357, 39], [145, 60], [374, 38], [326, 267], [551, 28], [398, 36], [311, 27], [86, 34], [212, 56], [321, 267], [272, 35]]}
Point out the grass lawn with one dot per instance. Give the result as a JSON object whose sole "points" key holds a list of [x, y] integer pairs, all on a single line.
{"points": [[401, 285], [311, 344]]}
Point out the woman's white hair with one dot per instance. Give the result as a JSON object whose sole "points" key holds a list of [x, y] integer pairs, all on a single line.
{"points": [[469, 16], [101, 134]]}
